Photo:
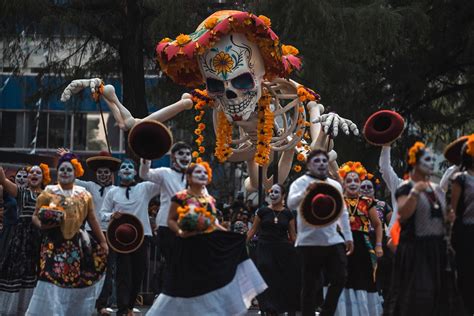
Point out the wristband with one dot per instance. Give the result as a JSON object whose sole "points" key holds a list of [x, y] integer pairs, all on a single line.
{"points": [[379, 244]]}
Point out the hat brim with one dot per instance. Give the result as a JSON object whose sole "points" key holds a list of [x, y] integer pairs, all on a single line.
{"points": [[383, 127], [115, 223], [150, 140], [313, 218], [179, 61], [96, 162], [452, 152]]}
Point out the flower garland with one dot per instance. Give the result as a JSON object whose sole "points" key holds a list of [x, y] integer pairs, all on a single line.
{"points": [[470, 145], [413, 151], [352, 166], [46, 174], [98, 92], [223, 138], [264, 130], [201, 100], [78, 170]]}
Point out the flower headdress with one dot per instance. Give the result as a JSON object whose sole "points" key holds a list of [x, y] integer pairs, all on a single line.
{"points": [[178, 60], [470, 145], [353, 166], [46, 174], [70, 157], [206, 166], [413, 151]]}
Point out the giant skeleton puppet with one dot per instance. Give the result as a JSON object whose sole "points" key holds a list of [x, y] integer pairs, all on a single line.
{"points": [[256, 110]]}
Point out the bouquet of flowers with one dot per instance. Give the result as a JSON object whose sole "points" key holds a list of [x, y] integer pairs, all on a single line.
{"points": [[192, 218], [51, 214]]}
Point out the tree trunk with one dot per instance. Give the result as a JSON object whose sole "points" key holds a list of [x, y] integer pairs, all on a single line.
{"points": [[131, 58]]}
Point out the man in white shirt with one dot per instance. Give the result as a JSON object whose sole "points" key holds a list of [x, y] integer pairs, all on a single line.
{"points": [[133, 198], [320, 248]]}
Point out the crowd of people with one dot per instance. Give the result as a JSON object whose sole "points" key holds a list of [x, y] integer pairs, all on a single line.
{"points": [[323, 244]]}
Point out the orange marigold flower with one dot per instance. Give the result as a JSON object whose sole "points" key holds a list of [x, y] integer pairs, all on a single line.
{"points": [[265, 20], [470, 145], [301, 157], [299, 144], [301, 109], [307, 136], [201, 126], [197, 131], [210, 22], [299, 133], [306, 123], [297, 168], [182, 39], [166, 40], [197, 118], [201, 149], [198, 160], [195, 154], [289, 50], [413, 151]]}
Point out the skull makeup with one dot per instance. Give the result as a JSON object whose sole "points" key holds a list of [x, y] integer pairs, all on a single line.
{"points": [[182, 158], [66, 173], [426, 163], [234, 71], [275, 194], [21, 178], [35, 176], [352, 184], [367, 188], [127, 171], [318, 166], [104, 176], [199, 175]]}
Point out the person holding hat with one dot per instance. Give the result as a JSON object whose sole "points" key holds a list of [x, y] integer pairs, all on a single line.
{"points": [[21, 243], [462, 204], [209, 271], [72, 261], [104, 166], [276, 256], [321, 248], [130, 198], [360, 296], [420, 282]]}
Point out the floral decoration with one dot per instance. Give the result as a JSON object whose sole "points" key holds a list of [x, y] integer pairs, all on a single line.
{"points": [[353, 166], [413, 151]]}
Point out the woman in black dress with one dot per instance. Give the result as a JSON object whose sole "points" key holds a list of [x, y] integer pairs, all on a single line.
{"points": [[462, 203], [420, 280], [276, 255]]}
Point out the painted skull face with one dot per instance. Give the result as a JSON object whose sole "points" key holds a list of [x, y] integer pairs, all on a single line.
{"points": [[182, 158], [234, 71], [104, 176], [35, 176], [275, 194], [66, 173], [426, 163], [367, 188], [127, 171], [199, 175], [21, 178], [318, 166], [352, 183]]}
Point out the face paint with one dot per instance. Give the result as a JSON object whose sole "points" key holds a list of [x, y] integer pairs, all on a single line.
{"points": [[104, 176], [318, 166], [66, 173], [352, 183], [275, 194], [199, 175], [426, 163], [182, 158], [127, 171], [21, 178], [35, 176], [367, 188]]}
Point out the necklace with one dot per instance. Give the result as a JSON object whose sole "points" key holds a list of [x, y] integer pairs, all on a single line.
{"points": [[352, 203], [275, 215]]}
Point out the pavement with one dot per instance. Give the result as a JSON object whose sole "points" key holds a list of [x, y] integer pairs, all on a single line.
{"points": [[141, 310]]}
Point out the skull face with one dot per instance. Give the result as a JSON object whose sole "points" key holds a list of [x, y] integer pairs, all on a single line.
{"points": [[21, 178], [234, 71]]}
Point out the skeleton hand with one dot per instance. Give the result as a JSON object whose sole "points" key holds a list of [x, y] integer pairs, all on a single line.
{"points": [[77, 86], [62, 151], [334, 121]]}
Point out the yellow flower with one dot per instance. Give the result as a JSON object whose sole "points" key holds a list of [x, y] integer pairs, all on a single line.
{"points": [[222, 62], [210, 22], [195, 154], [197, 131], [197, 118], [297, 168], [289, 50], [166, 40], [183, 39], [265, 20], [306, 123]]}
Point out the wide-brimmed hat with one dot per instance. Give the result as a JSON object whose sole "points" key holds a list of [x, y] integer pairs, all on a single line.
{"points": [[103, 160], [452, 152], [322, 205], [125, 234], [178, 58], [150, 139], [383, 127]]}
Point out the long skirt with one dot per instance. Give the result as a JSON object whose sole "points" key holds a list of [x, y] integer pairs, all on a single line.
{"points": [[360, 295], [421, 283], [209, 274], [277, 263], [465, 266]]}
